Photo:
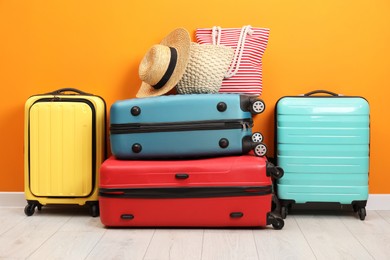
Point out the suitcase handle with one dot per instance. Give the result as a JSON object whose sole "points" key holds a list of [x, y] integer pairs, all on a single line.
{"points": [[127, 216], [236, 215], [321, 91], [62, 91], [182, 176]]}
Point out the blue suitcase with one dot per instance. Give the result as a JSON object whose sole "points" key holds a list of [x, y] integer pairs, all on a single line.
{"points": [[322, 144], [184, 126]]}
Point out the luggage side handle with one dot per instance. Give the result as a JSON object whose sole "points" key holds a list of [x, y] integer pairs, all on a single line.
{"points": [[182, 176], [62, 91], [127, 216], [236, 215], [321, 91]]}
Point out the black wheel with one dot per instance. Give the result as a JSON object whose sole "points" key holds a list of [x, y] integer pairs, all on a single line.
{"points": [[278, 223], [283, 212], [39, 206], [362, 213], [29, 209], [260, 150], [257, 137], [94, 210], [279, 172], [257, 106]]}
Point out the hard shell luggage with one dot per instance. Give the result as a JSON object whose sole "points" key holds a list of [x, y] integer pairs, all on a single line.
{"points": [[65, 144], [210, 192], [184, 126], [322, 144]]}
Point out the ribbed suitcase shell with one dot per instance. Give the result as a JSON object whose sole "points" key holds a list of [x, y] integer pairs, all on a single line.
{"points": [[172, 192], [64, 148], [175, 138], [322, 144]]}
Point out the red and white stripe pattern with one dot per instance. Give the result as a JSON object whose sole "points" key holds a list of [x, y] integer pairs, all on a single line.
{"points": [[248, 78]]}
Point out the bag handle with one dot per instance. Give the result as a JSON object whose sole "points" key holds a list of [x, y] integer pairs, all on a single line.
{"points": [[216, 37], [62, 91], [321, 91]]}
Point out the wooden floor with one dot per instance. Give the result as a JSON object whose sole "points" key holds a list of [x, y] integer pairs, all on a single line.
{"points": [[58, 233]]}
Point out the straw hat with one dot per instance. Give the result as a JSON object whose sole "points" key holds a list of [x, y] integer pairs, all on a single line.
{"points": [[205, 69], [164, 64]]}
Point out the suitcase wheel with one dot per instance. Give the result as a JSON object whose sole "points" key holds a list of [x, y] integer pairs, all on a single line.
{"points": [[275, 220], [275, 172], [278, 173], [94, 209], [360, 210], [362, 213], [30, 208], [257, 106], [260, 149], [278, 224], [257, 137]]}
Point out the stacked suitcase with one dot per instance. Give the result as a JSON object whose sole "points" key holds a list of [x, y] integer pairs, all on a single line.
{"points": [[185, 160]]}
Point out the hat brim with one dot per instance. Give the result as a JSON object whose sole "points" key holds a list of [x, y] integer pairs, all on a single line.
{"points": [[180, 40]]}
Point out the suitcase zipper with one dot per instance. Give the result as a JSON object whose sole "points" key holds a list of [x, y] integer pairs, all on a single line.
{"points": [[188, 192], [181, 126]]}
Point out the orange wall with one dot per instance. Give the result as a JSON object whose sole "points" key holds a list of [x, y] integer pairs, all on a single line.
{"points": [[97, 45]]}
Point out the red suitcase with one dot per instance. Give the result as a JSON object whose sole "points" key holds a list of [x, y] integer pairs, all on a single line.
{"points": [[212, 192]]}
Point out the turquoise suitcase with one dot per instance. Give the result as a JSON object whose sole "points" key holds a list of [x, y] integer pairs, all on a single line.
{"points": [[185, 126], [322, 144]]}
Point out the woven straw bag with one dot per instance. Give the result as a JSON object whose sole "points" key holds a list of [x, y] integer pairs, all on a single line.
{"points": [[206, 69]]}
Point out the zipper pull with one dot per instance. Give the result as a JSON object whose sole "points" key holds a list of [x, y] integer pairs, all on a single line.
{"points": [[55, 98], [245, 125]]}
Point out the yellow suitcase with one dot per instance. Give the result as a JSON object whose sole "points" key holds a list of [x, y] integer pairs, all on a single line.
{"points": [[65, 144]]}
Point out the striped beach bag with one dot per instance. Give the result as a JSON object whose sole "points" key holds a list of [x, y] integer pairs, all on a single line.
{"points": [[245, 75]]}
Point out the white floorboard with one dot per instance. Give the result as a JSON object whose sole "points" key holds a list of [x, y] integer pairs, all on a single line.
{"points": [[175, 244], [329, 238], [122, 244], [70, 233], [373, 233], [373, 224], [74, 240], [286, 244], [375, 244], [10, 218], [385, 215], [229, 244], [24, 238]]}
